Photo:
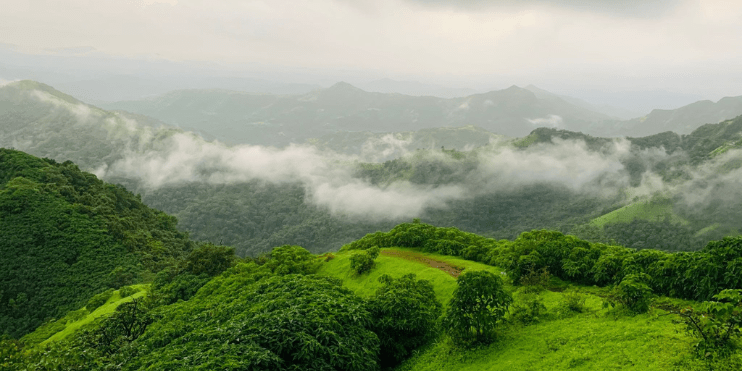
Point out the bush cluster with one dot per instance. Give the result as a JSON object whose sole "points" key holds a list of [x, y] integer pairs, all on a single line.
{"points": [[362, 262], [689, 275]]}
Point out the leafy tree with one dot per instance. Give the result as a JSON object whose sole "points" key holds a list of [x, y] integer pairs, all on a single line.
{"points": [[210, 259], [247, 319], [67, 235], [632, 293], [478, 305], [404, 312], [362, 262], [717, 325], [288, 259], [125, 325]]}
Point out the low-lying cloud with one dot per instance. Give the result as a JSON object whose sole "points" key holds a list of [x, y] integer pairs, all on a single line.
{"points": [[164, 157], [327, 177], [550, 121]]}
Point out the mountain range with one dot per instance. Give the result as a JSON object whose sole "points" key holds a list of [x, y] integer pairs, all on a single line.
{"points": [[237, 117]]}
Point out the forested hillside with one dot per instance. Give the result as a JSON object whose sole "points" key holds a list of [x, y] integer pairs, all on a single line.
{"points": [[553, 299], [67, 235]]}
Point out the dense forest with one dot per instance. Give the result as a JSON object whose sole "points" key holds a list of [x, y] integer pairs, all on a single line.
{"points": [[67, 235]]}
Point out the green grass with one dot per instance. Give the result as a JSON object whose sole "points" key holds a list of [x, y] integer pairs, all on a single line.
{"points": [[366, 284], [599, 339], [75, 320], [596, 339], [646, 210]]}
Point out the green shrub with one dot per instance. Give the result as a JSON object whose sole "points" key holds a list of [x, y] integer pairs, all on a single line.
{"points": [[96, 301], [288, 259], [362, 262], [716, 325], [535, 280], [127, 291], [244, 320], [210, 259], [632, 293], [403, 314], [11, 354], [528, 308], [478, 305], [573, 301], [180, 287]]}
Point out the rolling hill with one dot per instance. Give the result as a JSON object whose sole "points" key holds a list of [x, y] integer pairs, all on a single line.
{"points": [[265, 315], [68, 235]]}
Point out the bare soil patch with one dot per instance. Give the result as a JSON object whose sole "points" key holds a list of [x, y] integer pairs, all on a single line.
{"points": [[452, 270]]}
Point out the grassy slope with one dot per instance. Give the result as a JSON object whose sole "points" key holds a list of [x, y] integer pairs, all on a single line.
{"points": [[365, 285], [598, 339], [651, 211], [69, 324]]}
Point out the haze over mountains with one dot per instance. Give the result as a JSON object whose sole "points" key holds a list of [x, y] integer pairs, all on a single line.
{"points": [[338, 186], [237, 117]]}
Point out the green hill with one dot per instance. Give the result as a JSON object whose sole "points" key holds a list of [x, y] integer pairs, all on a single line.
{"points": [[560, 340], [653, 210], [275, 313], [67, 235]]}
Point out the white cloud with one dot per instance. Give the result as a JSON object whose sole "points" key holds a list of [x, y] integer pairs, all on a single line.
{"points": [[326, 176], [4, 82], [80, 110], [550, 121]]}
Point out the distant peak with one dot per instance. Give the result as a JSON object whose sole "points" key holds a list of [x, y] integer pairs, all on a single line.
{"points": [[342, 85], [30, 85]]}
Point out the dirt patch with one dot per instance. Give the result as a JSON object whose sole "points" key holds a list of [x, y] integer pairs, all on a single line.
{"points": [[452, 270]]}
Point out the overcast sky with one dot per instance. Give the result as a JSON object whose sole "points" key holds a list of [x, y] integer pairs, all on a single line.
{"points": [[680, 46]]}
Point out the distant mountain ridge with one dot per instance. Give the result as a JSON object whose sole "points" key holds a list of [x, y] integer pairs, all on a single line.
{"points": [[617, 112], [237, 117], [414, 88], [683, 120]]}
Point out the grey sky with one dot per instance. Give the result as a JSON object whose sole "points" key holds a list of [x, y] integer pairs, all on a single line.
{"points": [[682, 46]]}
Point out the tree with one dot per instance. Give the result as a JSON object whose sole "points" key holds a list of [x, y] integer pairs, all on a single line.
{"points": [[362, 262], [403, 315], [246, 320], [210, 259], [478, 305], [717, 325], [632, 293], [288, 259]]}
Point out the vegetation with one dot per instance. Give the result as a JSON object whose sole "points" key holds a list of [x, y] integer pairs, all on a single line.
{"points": [[690, 275], [362, 262], [404, 312], [72, 246], [478, 305], [632, 293], [68, 236], [716, 325]]}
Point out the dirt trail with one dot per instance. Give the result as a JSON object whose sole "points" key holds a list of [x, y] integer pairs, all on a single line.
{"points": [[417, 257]]}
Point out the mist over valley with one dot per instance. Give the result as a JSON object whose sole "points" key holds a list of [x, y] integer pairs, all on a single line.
{"points": [[387, 185]]}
